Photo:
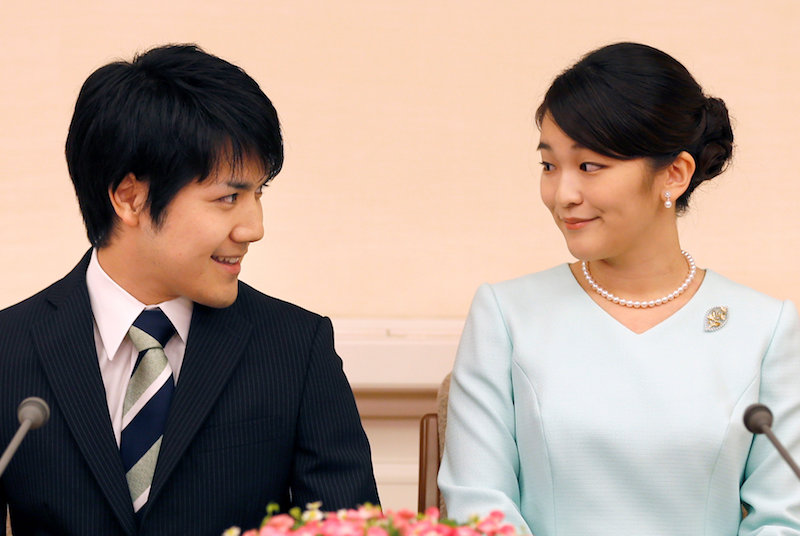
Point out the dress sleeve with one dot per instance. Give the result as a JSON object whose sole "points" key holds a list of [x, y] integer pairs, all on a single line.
{"points": [[770, 490], [480, 467]]}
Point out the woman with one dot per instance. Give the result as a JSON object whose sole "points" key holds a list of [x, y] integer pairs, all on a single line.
{"points": [[606, 396]]}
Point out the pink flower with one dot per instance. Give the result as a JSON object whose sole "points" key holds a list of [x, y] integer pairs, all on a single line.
{"points": [[369, 511], [428, 527], [369, 520], [493, 524], [506, 530], [465, 531], [312, 529], [405, 514], [271, 531], [401, 519], [363, 513], [281, 523], [441, 530], [351, 515], [432, 513], [333, 526], [377, 531]]}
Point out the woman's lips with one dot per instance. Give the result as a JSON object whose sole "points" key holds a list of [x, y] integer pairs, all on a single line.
{"points": [[574, 224]]}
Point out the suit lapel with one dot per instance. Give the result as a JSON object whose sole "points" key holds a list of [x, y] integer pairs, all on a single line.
{"points": [[217, 338], [69, 358]]}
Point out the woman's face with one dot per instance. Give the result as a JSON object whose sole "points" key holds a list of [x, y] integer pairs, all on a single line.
{"points": [[606, 208]]}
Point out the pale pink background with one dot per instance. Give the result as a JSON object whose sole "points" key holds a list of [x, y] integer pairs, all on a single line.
{"points": [[410, 173]]}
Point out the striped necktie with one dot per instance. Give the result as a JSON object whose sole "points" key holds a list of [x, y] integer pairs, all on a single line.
{"points": [[146, 403]]}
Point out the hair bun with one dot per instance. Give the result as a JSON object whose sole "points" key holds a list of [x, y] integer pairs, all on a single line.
{"points": [[714, 146]]}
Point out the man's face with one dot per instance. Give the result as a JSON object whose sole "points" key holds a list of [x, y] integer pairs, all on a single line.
{"points": [[198, 249]]}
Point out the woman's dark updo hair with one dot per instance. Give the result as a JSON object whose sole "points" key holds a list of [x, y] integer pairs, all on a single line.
{"points": [[629, 100]]}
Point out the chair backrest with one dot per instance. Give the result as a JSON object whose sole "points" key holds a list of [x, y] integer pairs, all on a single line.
{"points": [[428, 461], [431, 447]]}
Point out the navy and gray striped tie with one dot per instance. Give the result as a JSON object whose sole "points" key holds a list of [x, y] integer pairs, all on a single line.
{"points": [[146, 403]]}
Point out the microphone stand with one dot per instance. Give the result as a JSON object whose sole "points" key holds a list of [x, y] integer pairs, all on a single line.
{"points": [[32, 413], [758, 419]]}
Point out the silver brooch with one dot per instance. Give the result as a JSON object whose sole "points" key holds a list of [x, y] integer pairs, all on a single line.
{"points": [[716, 317]]}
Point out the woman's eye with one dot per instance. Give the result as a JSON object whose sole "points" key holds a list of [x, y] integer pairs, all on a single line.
{"points": [[546, 166], [588, 166]]}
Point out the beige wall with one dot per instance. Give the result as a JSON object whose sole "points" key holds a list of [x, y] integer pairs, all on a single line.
{"points": [[410, 175]]}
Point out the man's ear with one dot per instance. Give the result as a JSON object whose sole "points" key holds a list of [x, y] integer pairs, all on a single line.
{"points": [[129, 199], [678, 174]]}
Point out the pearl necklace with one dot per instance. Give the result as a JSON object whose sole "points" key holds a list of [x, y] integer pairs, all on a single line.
{"points": [[642, 304]]}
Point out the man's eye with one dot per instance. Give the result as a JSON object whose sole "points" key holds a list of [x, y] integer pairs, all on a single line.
{"points": [[588, 166], [547, 166], [229, 198]]}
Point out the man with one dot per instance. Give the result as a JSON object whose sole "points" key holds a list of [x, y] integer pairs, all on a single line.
{"points": [[182, 400]]}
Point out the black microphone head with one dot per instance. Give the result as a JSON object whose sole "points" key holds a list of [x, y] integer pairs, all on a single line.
{"points": [[35, 410], [756, 417]]}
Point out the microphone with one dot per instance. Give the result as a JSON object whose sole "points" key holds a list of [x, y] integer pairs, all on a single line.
{"points": [[32, 413], [758, 419]]}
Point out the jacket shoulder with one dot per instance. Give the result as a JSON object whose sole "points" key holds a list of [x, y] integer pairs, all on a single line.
{"points": [[31, 308], [26, 310], [262, 308]]}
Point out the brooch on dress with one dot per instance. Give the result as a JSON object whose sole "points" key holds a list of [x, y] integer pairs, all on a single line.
{"points": [[716, 317]]}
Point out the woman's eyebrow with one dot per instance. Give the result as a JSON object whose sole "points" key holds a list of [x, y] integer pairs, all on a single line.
{"points": [[547, 147]]}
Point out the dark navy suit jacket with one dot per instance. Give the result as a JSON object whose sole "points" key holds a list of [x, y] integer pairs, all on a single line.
{"points": [[262, 413]]}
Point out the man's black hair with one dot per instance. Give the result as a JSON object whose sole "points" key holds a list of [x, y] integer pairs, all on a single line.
{"points": [[169, 117]]}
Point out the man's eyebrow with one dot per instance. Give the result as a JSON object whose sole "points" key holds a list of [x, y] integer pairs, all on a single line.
{"points": [[238, 184]]}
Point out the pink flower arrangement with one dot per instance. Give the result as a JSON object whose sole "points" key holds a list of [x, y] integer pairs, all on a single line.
{"points": [[369, 520]]}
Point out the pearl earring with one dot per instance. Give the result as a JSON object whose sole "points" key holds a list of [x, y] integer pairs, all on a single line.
{"points": [[667, 200]]}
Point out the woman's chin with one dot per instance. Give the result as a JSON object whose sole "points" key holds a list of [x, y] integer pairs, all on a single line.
{"points": [[581, 253]]}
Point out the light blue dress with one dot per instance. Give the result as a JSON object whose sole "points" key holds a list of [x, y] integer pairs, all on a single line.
{"points": [[573, 425]]}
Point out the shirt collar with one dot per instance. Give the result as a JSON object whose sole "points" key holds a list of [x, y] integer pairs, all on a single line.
{"points": [[114, 309]]}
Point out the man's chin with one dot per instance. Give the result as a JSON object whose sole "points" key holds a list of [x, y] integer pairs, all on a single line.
{"points": [[219, 301]]}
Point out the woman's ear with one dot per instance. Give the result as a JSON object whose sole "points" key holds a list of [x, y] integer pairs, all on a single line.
{"points": [[129, 199], [678, 174]]}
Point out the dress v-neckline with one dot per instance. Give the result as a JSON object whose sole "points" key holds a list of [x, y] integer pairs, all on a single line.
{"points": [[688, 305]]}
